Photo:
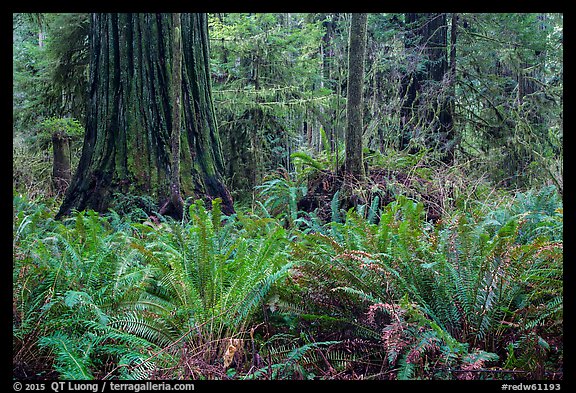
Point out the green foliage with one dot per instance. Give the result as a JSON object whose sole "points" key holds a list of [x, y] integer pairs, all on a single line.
{"points": [[32, 172], [210, 275], [380, 292], [134, 207], [68, 51], [281, 194], [290, 361], [267, 77], [106, 298], [68, 275], [514, 77], [306, 159], [72, 362], [30, 75], [32, 155], [469, 280], [68, 126], [326, 159], [41, 139], [50, 67], [335, 207], [92, 289]]}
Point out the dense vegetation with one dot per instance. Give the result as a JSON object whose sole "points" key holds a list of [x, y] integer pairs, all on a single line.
{"points": [[444, 262]]}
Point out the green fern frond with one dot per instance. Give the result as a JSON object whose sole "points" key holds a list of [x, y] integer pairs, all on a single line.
{"points": [[72, 361], [135, 366], [265, 211], [152, 329], [373, 211], [253, 298], [406, 370], [325, 142], [361, 294], [84, 300], [216, 214], [480, 356], [307, 160], [291, 359], [335, 207]]}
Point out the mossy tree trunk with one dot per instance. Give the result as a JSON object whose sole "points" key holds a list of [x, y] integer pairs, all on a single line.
{"points": [[131, 141], [176, 94], [354, 164]]}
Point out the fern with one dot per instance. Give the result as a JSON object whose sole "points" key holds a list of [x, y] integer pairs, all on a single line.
{"points": [[307, 160], [335, 207], [152, 329], [206, 279], [281, 195], [373, 211], [325, 142], [407, 369], [467, 277], [135, 366], [290, 360], [99, 293], [84, 272], [72, 360], [133, 359]]}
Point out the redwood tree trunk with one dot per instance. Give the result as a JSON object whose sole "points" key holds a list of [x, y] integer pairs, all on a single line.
{"points": [[131, 116]]}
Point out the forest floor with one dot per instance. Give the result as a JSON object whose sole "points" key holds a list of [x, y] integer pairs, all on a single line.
{"points": [[380, 182]]}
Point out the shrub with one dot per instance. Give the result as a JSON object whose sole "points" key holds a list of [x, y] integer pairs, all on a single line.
{"points": [[475, 282], [103, 299]]}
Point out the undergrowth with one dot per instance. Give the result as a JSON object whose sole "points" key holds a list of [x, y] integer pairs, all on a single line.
{"points": [[376, 293], [451, 296]]}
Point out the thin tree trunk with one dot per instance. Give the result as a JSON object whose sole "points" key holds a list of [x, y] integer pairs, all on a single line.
{"points": [[410, 84], [453, 37], [175, 197], [354, 164], [450, 142]]}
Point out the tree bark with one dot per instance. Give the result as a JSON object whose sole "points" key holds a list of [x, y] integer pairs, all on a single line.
{"points": [[131, 118], [354, 164], [176, 87], [61, 171], [450, 132]]}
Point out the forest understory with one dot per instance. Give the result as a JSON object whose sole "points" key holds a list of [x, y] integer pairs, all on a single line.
{"points": [[402, 288], [238, 211]]}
